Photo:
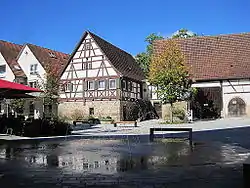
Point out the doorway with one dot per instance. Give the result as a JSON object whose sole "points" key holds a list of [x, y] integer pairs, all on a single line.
{"points": [[236, 107]]}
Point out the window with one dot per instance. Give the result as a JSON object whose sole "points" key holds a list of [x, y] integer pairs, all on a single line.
{"points": [[33, 69], [2, 69], [69, 86], [87, 46], [130, 86], [112, 84], [91, 85], [101, 84], [33, 84], [89, 65], [91, 111], [124, 85]]}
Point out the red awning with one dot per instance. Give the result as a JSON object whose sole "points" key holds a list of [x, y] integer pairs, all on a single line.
{"points": [[6, 86]]}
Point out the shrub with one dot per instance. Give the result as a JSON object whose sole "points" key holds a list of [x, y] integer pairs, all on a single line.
{"points": [[179, 113]]}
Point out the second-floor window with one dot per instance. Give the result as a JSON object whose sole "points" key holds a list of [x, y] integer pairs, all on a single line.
{"points": [[33, 69], [91, 85], [69, 87], [2, 69], [33, 84], [101, 84], [112, 84]]}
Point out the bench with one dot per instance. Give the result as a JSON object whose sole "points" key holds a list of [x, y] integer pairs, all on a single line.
{"points": [[152, 130], [246, 173], [125, 122]]}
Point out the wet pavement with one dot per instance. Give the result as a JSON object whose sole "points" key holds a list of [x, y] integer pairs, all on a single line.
{"points": [[215, 161]]}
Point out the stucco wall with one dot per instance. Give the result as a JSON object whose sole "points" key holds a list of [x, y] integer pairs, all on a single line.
{"points": [[8, 75], [101, 109], [233, 89], [26, 59]]}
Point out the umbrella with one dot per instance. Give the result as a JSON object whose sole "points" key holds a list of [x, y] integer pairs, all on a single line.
{"points": [[7, 86], [9, 89]]}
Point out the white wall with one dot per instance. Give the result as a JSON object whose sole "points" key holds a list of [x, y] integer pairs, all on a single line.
{"points": [[76, 64], [236, 88], [26, 59], [9, 75]]}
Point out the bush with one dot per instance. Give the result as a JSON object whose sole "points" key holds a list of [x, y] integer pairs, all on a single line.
{"points": [[179, 113], [46, 128]]}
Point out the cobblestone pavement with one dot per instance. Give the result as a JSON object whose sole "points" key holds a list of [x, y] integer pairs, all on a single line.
{"points": [[215, 161]]}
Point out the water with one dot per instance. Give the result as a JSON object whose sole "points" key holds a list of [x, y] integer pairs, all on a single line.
{"points": [[128, 162]]}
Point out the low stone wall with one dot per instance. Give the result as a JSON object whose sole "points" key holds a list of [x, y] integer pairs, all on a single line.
{"points": [[178, 105], [101, 109]]}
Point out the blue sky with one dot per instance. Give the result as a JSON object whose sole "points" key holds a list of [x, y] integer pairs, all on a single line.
{"points": [[59, 24]]}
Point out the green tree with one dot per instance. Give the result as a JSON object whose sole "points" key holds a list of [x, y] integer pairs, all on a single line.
{"points": [[168, 72], [17, 105], [183, 33], [144, 58]]}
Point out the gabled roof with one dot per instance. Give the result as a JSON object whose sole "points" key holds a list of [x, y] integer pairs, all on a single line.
{"points": [[122, 61], [215, 57], [49, 57], [10, 52]]}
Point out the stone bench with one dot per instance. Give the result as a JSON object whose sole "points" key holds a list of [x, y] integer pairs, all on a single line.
{"points": [[125, 122]]}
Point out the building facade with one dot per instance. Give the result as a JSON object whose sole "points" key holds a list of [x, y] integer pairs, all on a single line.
{"points": [[100, 80], [26, 64], [220, 68]]}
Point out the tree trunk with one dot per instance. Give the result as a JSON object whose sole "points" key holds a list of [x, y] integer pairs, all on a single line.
{"points": [[171, 113]]}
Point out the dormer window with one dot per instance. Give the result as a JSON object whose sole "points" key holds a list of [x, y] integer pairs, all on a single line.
{"points": [[51, 54], [33, 69]]}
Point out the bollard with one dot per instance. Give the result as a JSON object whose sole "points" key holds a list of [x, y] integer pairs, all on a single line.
{"points": [[115, 125]]}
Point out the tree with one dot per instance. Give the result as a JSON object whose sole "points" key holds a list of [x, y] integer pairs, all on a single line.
{"points": [[50, 84], [144, 58], [168, 72], [17, 105], [183, 33]]}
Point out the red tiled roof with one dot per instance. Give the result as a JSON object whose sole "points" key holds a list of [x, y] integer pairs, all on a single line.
{"points": [[10, 52], [215, 57], [49, 57]]}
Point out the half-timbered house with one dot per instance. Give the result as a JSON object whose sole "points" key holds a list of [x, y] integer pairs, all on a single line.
{"points": [[220, 67], [100, 80]]}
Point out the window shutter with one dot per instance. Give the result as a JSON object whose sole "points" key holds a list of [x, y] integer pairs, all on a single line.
{"points": [[96, 84], [118, 83], [107, 83], [85, 85]]}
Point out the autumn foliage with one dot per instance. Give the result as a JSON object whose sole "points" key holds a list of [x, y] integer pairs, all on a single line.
{"points": [[168, 72]]}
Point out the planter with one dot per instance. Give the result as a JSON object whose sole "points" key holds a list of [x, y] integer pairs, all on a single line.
{"points": [[106, 121]]}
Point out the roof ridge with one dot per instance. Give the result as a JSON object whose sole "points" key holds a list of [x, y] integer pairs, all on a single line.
{"points": [[20, 45], [208, 36], [46, 48], [108, 42]]}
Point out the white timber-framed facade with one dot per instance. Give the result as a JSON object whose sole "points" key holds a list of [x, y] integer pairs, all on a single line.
{"points": [[100, 80]]}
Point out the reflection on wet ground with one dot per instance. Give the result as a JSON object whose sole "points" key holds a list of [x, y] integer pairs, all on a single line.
{"points": [[121, 163]]}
